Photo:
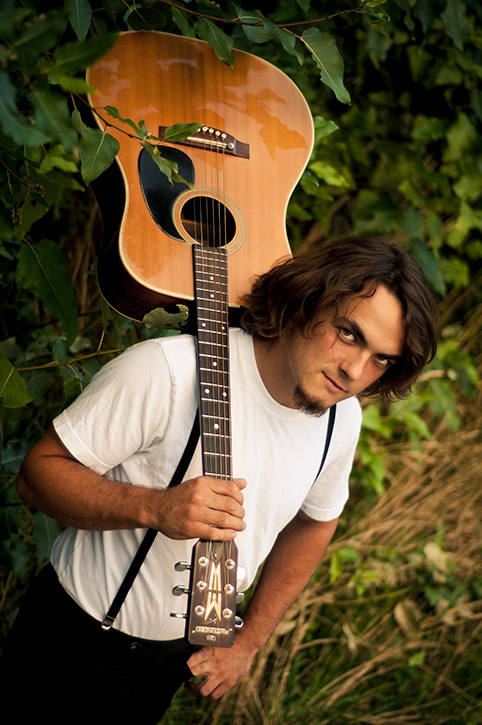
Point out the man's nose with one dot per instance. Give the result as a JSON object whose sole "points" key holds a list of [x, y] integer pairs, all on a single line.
{"points": [[353, 365]]}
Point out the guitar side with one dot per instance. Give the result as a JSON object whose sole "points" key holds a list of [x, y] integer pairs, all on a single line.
{"points": [[166, 79]]}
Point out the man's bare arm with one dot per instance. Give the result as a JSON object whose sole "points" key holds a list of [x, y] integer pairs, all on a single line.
{"points": [[290, 565], [54, 482]]}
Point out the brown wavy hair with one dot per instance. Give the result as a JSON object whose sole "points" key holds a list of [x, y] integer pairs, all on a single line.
{"points": [[288, 296]]}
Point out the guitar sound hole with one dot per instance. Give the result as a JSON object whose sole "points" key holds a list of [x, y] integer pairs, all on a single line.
{"points": [[208, 221]]}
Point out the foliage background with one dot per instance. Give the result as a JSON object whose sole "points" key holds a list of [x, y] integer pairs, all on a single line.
{"points": [[390, 630]]}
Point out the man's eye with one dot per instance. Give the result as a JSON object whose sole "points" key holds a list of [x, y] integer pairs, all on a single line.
{"points": [[383, 361], [347, 334]]}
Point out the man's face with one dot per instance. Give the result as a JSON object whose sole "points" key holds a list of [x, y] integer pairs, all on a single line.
{"points": [[345, 350]]}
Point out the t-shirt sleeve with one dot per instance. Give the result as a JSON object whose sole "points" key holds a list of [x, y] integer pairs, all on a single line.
{"points": [[329, 494], [117, 414]]}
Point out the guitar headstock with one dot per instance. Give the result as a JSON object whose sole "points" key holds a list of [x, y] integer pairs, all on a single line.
{"points": [[211, 616]]}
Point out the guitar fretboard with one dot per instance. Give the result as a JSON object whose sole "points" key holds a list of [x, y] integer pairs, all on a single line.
{"points": [[211, 285]]}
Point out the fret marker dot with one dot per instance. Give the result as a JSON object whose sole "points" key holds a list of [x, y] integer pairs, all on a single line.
{"points": [[215, 364], [216, 426], [207, 391]]}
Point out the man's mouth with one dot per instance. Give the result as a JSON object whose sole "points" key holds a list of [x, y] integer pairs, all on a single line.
{"points": [[335, 384]]}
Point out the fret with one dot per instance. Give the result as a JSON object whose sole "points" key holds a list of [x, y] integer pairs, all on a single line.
{"points": [[210, 278]]}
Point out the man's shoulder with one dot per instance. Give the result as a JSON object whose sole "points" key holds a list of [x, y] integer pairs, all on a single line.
{"points": [[349, 411], [171, 345]]}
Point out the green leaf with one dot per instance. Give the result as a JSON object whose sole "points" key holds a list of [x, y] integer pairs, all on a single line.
{"points": [[372, 420], [329, 174], [12, 386], [168, 168], [323, 48], [417, 659], [12, 122], [42, 33], [144, 18], [429, 264], [443, 403], [45, 532], [52, 116], [12, 457], [78, 56], [180, 131], [139, 129], [80, 15], [71, 84], [97, 151], [346, 554], [287, 39], [258, 33], [18, 555], [42, 269], [167, 320], [72, 389], [220, 42], [180, 18], [323, 127], [455, 22]]}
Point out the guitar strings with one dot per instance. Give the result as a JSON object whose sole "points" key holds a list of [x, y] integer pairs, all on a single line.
{"points": [[213, 266]]}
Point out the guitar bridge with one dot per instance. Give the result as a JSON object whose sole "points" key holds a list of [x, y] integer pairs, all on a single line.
{"points": [[211, 139]]}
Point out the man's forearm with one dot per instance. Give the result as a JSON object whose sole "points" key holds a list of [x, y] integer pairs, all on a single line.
{"points": [[54, 482], [287, 570]]}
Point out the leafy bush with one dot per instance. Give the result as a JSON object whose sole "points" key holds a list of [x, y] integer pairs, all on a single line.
{"points": [[393, 86]]}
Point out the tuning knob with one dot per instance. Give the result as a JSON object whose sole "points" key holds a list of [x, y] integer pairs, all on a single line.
{"points": [[177, 615], [238, 622], [179, 590], [182, 566]]}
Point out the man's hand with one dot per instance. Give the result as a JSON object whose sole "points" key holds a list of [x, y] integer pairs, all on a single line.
{"points": [[53, 481], [203, 507], [221, 667]]}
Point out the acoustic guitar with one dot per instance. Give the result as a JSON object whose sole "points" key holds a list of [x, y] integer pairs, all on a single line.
{"points": [[254, 139]]}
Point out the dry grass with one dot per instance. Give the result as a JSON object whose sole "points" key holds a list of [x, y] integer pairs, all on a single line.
{"points": [[340, 653]]}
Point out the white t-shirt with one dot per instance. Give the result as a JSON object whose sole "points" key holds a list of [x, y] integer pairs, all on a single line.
{"points": [[131, 425]]}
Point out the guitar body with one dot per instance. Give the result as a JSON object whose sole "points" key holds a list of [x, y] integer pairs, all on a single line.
{"points": [[251, 139], [245, 184]]}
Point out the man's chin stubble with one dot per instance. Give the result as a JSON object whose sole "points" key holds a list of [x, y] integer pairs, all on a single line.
{"points": [[308, 405]]}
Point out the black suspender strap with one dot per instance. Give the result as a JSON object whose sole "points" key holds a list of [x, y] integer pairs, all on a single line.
{"points": [[150, 535], [329, 433]]}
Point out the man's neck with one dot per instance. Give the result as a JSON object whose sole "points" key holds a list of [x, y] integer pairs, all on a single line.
{"points": [[274, 371]]}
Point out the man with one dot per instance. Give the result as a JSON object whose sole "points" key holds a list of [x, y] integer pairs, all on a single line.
{"points": [[351, 317]]}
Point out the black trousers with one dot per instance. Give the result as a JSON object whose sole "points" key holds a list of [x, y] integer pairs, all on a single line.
{"points": [[60, 666]]}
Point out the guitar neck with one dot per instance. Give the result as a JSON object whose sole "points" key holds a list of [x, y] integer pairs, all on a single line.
{"points": [[211, 291]]}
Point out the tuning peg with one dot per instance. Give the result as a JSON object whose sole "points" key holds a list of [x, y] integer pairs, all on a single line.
{"points": [[182, 566], [238, 622], [239, 597], [177, 615], [179, 590]]}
